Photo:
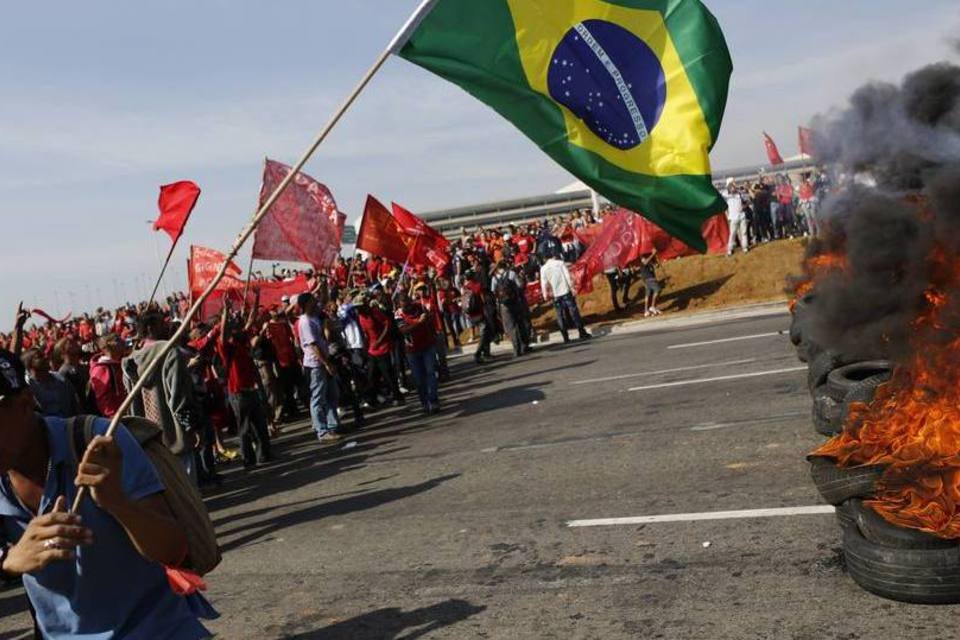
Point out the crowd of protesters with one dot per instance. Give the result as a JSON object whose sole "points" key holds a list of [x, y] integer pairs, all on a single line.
{"points": [[774, 207], [364, 334], [368, 331]]}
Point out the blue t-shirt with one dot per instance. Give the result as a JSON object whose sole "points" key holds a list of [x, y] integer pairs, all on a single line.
{"points": [[110, 590]]}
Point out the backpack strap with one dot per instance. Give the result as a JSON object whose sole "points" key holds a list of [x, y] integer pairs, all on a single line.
{"points": [[79, 434]]}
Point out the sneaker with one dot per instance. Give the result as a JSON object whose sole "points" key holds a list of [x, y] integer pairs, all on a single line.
{"points": [[341, 412], [403, 389], [330, 438], [586, 336], [365, 405]]}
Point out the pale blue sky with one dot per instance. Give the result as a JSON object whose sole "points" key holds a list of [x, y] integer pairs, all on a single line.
{"points": [[102, 101]]}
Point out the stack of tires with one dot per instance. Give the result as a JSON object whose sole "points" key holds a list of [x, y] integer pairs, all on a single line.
{"points": [[835, 380], [894, 562], [890, 561]]}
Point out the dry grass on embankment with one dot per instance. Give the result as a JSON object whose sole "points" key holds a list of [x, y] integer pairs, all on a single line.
{"points": [[697, 283]]}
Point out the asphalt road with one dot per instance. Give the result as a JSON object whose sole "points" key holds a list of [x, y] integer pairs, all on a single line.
{"points": [[457, 526]]}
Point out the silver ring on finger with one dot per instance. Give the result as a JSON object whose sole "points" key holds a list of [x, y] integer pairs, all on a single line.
{"points": [[51, 543]]}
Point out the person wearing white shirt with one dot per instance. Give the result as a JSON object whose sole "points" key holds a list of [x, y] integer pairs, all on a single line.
{"points": [[736, 217], [556, 283]]}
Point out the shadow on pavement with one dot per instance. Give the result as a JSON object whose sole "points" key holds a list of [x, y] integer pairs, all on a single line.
{"points": [[257, 531], [502, 399], [388, 624]]}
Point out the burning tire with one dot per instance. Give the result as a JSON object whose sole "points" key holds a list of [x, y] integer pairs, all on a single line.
{"points": [[846, 516], [878, 531], [820, 368], [919, 576], [860, 375], [827, 414], [863, 392], [838, 485]]}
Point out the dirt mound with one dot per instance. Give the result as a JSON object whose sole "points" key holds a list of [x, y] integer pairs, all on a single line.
{"points": [[698, 283]]}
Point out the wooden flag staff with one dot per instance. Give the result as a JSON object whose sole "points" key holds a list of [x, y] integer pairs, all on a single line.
{"points": [[258, 217]]}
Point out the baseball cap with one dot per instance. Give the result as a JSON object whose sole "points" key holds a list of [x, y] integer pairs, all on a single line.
{"points": [[12, 375]]}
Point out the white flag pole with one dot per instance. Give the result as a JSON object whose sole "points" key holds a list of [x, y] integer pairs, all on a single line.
{"points": [[395, 45]]}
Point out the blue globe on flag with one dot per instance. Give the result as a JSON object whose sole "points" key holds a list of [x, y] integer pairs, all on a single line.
{"points": [[610, 79]]}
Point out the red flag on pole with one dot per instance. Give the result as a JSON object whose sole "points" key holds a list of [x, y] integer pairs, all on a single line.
{"points": [[176, 203], [806, 141], [772, 152], [429, 245], [304, 224], [381, 234]]}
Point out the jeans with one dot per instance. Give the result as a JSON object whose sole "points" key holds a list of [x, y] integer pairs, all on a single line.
{"points": [[324, 397], [251, 425], [775, 220], [568, 304], [423, 366]]}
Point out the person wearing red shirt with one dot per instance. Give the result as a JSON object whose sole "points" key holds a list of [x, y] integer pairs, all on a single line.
{"points": [[340, 273], [429, 301], [452, 315], [373, 269], [106, 377], [233, 345], [784, 194], [417, 327], [288, 365], [376, 328]]}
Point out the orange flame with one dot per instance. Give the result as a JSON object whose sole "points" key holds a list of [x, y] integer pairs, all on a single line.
{"points": [[913, 423]]}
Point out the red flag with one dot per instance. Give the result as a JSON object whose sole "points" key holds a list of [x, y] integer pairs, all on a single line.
{"points": [[304, 224], [381, 234], [428, 246], [204, 266], [625, 236], [272, 291], [772, 152], [806, 141], [176, 203]]}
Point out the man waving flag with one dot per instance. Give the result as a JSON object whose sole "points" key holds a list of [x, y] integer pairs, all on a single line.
{"points": [[627, 95]]}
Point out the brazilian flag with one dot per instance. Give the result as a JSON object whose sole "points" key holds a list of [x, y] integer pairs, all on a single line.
{"points": [[627, 95]]}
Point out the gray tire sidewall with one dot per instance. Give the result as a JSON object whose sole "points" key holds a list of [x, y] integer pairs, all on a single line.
{"points": [[920, 576], [838, 485]]}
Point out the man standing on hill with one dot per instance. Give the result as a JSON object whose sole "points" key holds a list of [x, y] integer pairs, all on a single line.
{"points": [[555, 282], [736, 216]]}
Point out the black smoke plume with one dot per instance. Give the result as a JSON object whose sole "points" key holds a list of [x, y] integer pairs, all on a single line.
{"points": [[906, 138], [897, 133]]}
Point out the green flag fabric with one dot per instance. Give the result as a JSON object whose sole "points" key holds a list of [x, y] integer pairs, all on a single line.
{"points": [[627, 95]]}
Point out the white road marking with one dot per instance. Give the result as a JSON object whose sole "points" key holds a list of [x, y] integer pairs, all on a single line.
{"points": [[709, 515], [739, 376], [654, 373], [721, 341]]}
